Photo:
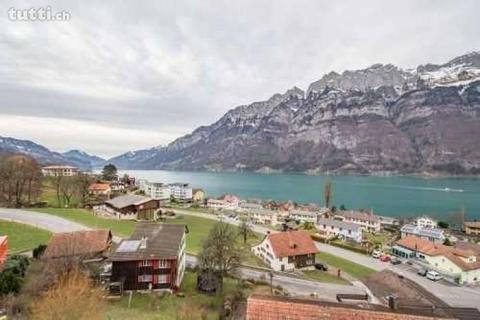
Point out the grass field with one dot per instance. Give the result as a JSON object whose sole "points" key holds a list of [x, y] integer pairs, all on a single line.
{"points": [[353, 269], [121, 228], [22, 237], [198, 229], [192, 306], [322, 276]]}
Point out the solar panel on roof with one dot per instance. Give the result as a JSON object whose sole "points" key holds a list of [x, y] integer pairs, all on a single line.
{"points": [[128, 246]]}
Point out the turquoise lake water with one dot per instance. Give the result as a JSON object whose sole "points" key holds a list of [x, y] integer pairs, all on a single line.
{"points": [[391, 196]]}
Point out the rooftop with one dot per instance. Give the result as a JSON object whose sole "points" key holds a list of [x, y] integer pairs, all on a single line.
{"points": [[339, 224], [163, 241], [78, 243], [291, 243], [52, 167], [99, 186], [127, 200], [283, 308], [454, 254], [364, 216], [425, 232], [472, 224]]}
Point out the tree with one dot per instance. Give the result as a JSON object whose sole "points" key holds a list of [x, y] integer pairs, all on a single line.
{"points": [[327, 192], [244, 230], [343, 208], [73, 296], [220, 253], [442, 224], [20, 180], [109, 172]]}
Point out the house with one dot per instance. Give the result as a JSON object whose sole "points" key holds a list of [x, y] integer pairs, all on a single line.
{"points": [[99, 189], [217, 204], [425, 222], [472, 227], [287, 251], [3, 250], [152, 258], [263, 216], [434, 235], [304, 215], [60, 171], [132, 207], [456, 262], [247, 206], [388, 221], [365, 219], [117, 186], [87, 244], [287, 308], [198, 195], [181, 192], [156, 190], [344, 230]]}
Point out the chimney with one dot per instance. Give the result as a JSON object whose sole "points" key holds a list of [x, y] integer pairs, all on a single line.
{"points": [[143, 243]]}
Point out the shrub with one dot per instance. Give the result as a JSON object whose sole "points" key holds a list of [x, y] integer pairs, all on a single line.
{"points": [[10, 282], [38, 251]]}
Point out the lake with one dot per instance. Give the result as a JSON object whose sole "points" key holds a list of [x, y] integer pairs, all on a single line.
{"points": [[390, 196]]}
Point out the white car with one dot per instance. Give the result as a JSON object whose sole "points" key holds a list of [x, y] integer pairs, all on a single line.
{"points": [[433, 275], [376, 254]]}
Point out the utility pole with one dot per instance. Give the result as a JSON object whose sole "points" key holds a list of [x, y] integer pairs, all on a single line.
{"points": [[270, 273]]}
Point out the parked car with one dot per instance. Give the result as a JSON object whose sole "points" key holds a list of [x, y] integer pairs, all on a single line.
{"points": [[395, 261], [422, 272], [376, 254], [433, 275], [385, 258], [321, 266]]}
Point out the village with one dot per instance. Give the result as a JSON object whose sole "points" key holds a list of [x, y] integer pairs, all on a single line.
{"points": [[154, 247]]}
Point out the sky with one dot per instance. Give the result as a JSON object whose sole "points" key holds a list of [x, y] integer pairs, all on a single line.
{"points": [[127, 75]]}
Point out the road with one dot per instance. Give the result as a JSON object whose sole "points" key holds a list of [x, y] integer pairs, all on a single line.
{"points": [[453, 295], [294, 286]]}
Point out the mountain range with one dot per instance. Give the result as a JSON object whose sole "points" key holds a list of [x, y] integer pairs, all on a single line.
{"points": [[45, 156], [378, 120]]}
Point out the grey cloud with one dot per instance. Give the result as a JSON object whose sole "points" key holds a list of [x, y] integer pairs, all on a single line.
{"points": [[168, 67]]}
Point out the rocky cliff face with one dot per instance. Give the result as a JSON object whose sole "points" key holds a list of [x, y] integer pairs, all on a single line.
{"points": [[378, 120]]}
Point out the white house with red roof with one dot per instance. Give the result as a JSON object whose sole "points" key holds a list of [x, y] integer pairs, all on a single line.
{"points": [[287, 251]]}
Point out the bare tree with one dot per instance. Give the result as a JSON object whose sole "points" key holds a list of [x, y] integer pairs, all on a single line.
{"points": [[328, 192], [20, 180], [244, 230], [220, 253]]}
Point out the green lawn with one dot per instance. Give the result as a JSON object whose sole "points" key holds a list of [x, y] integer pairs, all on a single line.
{"points": [[22, 237], [192, 306], [122, 228], [323, 276], [198, 229], [355, 270]]}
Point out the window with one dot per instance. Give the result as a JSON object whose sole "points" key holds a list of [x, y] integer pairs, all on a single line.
{"points": [[145, 278], [162, 278], [145, 263]]}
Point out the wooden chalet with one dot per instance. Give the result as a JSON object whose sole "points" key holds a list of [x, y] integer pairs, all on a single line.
{"points": [[133, 207], [152, 259]]}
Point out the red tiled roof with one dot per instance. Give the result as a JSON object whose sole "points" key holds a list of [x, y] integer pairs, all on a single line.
{"points": [[78, 243], [454, 254], [99, 186], [291, 243], [281, 308]]}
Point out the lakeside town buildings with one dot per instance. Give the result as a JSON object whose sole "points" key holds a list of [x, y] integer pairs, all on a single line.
{"points": [[60, 171]]}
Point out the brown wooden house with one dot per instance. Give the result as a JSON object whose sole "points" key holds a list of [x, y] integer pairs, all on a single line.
{"points": [[152, 259], [133, 207]]}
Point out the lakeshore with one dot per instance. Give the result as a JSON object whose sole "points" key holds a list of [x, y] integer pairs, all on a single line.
{"points": [[399, 196]]}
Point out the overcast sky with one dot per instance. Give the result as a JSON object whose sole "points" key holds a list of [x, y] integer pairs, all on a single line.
{"points": [[124, 75]]}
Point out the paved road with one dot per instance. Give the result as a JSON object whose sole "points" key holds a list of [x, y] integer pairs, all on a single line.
{"points": [[294, 286], [453, 295], [41, 220]]}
